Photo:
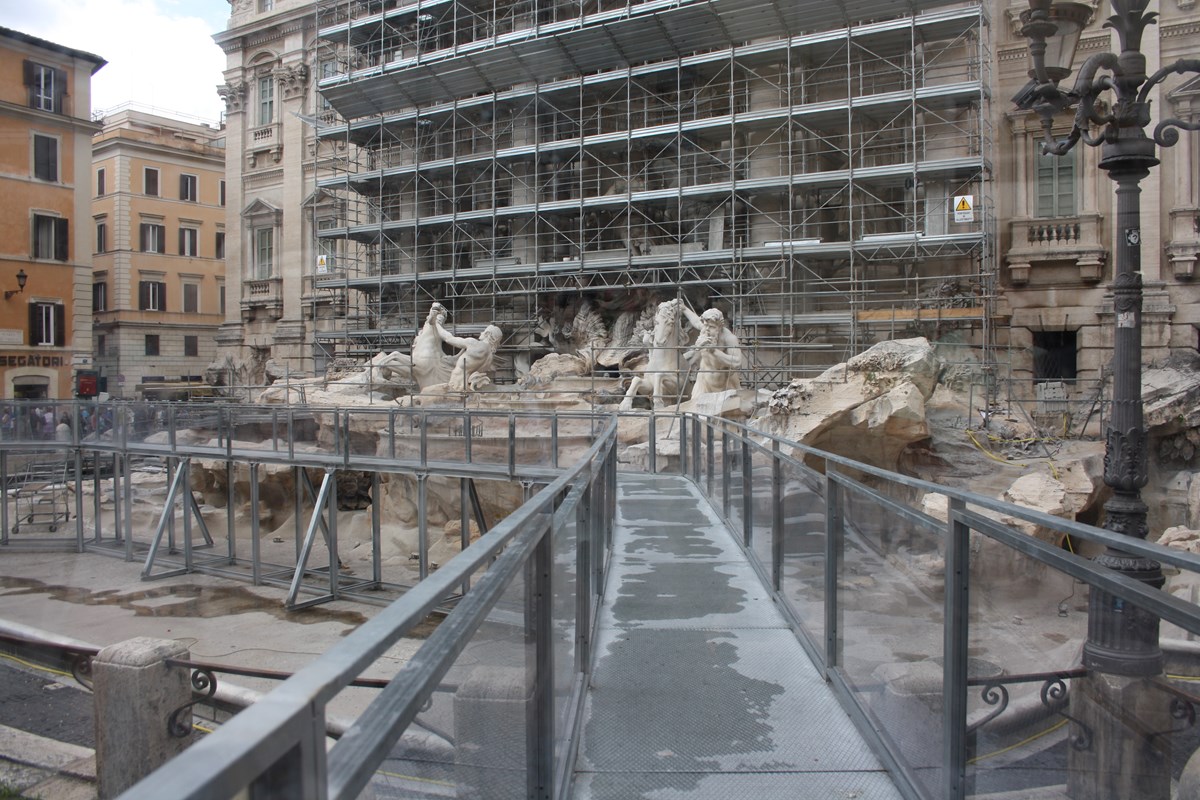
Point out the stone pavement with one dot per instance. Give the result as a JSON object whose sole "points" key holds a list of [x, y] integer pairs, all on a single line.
{"points": [[46, 727]]}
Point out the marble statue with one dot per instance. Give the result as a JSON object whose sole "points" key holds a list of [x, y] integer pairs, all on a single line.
{"points": [[473, 365], [661, 377], [716, 355], [427, 364]]}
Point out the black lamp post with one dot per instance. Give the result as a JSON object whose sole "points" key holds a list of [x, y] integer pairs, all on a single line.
{"points": [[1122, 640]]}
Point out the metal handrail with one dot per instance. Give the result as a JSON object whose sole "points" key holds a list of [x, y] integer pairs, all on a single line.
{"points": [[966, 516], [286, 729]]}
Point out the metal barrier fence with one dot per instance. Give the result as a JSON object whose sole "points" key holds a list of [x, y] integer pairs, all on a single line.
{"points": [[949, 623], [99, 447], [492, 697]]}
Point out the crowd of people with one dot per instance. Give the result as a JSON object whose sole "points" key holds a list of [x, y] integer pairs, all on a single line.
{"points": [[42, 422]]}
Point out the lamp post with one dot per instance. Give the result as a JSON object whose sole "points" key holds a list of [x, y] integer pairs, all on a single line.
{"points": [[1122, 640]]}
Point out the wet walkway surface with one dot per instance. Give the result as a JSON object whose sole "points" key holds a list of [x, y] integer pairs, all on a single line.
{"points": [[700, 689]]}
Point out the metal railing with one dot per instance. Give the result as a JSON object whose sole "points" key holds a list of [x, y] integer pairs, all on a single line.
{"points": [[106, 444], [912, 595], [516, 647]]}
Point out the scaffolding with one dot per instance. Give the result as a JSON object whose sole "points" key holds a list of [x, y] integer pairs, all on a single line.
{"points": [[826, 187]]}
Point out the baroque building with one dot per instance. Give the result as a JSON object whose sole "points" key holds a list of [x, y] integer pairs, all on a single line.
{"points": [[158, 285], [826, 180], [1058, 226], [269, 97], [45, 262]]}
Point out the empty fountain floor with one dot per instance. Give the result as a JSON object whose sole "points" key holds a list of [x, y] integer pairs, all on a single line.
{"points": [[700, 689]]}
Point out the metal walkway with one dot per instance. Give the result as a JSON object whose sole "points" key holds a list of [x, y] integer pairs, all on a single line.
{"points": [[700, 689]]}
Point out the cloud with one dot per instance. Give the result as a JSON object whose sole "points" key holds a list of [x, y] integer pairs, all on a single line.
{"points": [[160, 53]]}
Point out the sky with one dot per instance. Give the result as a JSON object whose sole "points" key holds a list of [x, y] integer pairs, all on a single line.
{"points": [[160, 53]]}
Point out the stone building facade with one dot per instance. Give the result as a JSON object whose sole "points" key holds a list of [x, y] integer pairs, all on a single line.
{"points": [[45, 248], [826, 185], [158, 232]]}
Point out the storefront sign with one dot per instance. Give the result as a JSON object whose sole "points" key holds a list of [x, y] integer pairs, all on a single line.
{"points": [[31, 360]]}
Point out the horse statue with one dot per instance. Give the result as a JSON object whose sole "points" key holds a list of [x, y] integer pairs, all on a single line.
{"points": [[664, 374], [427, 365]]}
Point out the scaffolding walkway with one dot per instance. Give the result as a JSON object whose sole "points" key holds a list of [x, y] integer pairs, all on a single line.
{"points": [[700, 688]]}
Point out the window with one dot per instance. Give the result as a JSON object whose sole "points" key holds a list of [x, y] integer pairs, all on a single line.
{"points": [[188, 188], [189, 242], [99, 296], [49, 237], [101, 344], [191, 345], [46, 86], [326, 246], [221, 192], [221, 298], [101, 237], [152, 344], [100, 188], [264, 249], [191, 298], [152, 296], [46, 325], [1056, 185], [153, 238], [265, 5], [220, 245], [266, 100], [45, 158], [1054, 355], [326, 69], [150, 181]]}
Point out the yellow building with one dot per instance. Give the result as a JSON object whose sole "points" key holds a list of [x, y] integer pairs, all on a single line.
{"points": [[45, 262], [158, 216]]}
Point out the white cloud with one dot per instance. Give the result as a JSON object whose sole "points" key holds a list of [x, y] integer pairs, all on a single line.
{"points": [[160, 53]]}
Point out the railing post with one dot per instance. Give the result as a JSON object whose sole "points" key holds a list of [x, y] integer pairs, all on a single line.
{"points": [[422, 518], [696, 453], [683, 445], [78, 485], [127, 500], [652, 442], [710, 459], [835, 542], [230, 513], [584, 534], [136, 689], [255, 562], [539, 628], [512, 445], [726, 473], [4, 490], [954, 678], [464, 520], [376, 533], [747, 494], [554, 440], [777, 532]]}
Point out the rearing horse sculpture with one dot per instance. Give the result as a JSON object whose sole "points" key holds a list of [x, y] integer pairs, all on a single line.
{"points": [[664, 374]]}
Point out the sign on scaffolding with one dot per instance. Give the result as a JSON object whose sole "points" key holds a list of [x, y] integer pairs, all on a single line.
{"points": [[964, 208]]}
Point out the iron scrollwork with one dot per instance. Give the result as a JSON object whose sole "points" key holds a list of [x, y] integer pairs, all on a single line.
{"points": [[204, 686], [1053, 695]]}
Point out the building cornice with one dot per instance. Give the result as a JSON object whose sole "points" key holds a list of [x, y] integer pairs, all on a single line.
{"points": [[262, 31]]}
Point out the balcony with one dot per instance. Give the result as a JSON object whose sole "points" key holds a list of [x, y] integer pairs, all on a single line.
{"points": [[1056, 241], [265, 294], [264, 142]]}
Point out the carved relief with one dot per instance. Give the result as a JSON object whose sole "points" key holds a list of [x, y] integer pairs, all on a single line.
{"points": [[234, 95], [292, 80]]}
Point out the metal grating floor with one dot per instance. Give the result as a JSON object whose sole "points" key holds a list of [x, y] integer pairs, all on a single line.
{"points": [[700, 689]]}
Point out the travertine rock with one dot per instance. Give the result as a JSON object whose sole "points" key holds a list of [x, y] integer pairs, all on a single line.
{"points": [[870, 408]]}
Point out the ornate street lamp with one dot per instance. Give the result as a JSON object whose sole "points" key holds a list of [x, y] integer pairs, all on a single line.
{"points": [[1121, 640]]}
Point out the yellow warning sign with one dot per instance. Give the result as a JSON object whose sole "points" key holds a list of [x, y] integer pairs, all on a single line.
{"points": [[964, 208]]}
